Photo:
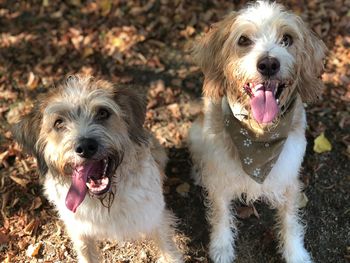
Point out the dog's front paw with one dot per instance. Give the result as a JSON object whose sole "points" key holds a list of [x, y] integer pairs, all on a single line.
{"points": [[299, 256], [221, 252]]}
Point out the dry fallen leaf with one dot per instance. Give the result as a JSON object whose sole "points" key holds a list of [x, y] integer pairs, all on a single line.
{"points": [[33, 250], [22, 244], [303, 200], [322, 144], [105, 6], [31, 227], [21, 181], [36, 203], [183, 189], [175, 110], [8, 258], [4, 238], [244, 212]]}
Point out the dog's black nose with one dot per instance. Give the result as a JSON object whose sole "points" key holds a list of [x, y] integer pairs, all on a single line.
{"points": [[268, 66], [86, 147]]}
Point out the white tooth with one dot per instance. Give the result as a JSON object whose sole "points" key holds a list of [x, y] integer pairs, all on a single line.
{"points": [[105, 169]]}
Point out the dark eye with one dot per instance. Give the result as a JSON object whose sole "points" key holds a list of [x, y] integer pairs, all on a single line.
{"points": [[59, 124], [244, 41], [286, 40], [102, 114]]}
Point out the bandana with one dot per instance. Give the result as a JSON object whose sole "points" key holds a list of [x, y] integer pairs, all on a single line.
{"points": [[258, 153]]}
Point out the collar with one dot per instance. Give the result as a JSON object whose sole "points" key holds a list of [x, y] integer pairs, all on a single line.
{"points": [[258, 153]]}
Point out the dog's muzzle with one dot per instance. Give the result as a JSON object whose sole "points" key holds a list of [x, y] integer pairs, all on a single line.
{"points": [[92, 176], [264, 99]]}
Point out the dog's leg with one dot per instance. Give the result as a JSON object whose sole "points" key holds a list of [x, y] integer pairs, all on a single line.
{"points": [[85, 248], [163, 236], [291, 231], [223, 230]]}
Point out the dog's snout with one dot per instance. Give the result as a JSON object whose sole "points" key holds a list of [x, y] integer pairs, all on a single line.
{"points": [[86, 147], [268, 66]]}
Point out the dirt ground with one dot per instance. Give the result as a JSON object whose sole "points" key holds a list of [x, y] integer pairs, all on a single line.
{"points": [[146, 44]]}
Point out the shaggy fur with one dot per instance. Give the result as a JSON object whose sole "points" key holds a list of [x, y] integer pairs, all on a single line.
{"points": [[227, 67], [133, 205]]}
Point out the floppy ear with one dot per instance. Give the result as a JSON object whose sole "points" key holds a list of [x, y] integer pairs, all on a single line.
{"points": [[133, 106], [26, 132], [311, 66], [208, 56]]}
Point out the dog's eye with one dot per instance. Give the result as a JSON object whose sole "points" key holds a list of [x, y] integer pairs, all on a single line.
{"points": [[286, 40], [102, 114], [244, 41], [59, 124]]}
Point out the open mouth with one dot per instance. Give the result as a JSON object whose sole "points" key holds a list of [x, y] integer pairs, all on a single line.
{"points": [[99, 182], [264, 99], [94, 177]]}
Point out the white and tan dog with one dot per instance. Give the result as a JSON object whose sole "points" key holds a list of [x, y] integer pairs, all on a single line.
{"points": [[260, 64], [101, 169]]}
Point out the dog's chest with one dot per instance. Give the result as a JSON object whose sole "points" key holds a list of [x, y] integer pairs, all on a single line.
{"points": [[257, 153], [136, 209]]}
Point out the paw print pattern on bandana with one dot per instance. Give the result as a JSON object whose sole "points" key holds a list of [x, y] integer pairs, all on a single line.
{"points": [[248, 160], [256, 172], [243, 132], [227, 122], [275, 136], [247, 142]]}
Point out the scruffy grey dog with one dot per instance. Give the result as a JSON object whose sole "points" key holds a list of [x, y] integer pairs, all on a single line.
{"points": [[260, 64], [101, 169]]}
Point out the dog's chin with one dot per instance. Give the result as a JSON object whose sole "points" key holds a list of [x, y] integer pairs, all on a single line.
{"points": [[93, 177], [265, 99]]}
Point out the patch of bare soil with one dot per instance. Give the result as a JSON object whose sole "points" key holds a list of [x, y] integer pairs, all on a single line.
{"points": [[146, 44]]}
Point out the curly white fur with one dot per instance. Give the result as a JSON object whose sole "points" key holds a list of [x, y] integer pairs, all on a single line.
{"points": [[138, 207], [227, 67]]}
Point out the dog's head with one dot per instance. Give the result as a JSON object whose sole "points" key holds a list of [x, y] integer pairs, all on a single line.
{"points": [[80, 132], [257, 56]]}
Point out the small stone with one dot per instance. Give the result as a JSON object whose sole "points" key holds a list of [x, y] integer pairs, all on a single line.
{"points": [[183, 189]]}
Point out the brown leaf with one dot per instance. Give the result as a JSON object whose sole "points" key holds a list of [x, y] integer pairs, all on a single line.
{"points": [[4, 238], [32, 227], [175, 110], [188, 31], [244, 212], [22, 244], [36, 203], [32, 81], [21, 181]]}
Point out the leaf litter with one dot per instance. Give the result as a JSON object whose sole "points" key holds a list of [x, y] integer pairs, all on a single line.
{"points": [[146, 44]]}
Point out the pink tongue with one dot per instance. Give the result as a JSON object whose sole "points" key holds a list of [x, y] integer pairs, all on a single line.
{"points": [[78, 189], [264, 105]]}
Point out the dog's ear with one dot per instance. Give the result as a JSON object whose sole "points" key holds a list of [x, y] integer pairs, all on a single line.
{"points": [[208, 55], [26, 132], [133, 106], [311, 61]]}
